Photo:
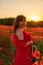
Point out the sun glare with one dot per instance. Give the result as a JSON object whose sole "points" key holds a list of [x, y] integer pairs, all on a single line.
{"points": [[34, 18]]}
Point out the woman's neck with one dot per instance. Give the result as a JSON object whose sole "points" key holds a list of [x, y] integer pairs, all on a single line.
{"points": [[19, 33], [20, 29]]}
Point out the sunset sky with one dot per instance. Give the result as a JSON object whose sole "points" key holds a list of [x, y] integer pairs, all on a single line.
{"points": [[29, 8]]}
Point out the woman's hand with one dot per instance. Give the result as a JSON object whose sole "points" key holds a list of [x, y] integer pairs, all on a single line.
{"points": [[29, 42]]}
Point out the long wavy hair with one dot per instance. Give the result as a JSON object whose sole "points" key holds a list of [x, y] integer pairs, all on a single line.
{"points": [[18, 19]]}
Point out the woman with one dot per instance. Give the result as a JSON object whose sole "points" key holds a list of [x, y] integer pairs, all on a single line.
{"points": [[23, 42]]}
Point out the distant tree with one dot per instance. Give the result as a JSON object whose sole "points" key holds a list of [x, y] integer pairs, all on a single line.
{"points": [[40, 24], [7, 21], [10, 21], [32, 24]]}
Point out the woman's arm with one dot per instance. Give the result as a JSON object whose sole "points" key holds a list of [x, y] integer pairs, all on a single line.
{"points": [[29, 39], [28, 43]]}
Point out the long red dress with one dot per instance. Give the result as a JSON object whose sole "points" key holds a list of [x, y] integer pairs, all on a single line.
{"points": [[23, 52]]}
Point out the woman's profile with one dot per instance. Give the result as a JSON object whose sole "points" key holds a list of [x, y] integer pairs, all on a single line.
{"points": [[23, 42]]}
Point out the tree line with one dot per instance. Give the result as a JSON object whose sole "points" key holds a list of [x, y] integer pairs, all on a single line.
{"points": [[35, 24], [10, 21], [7, 21]]}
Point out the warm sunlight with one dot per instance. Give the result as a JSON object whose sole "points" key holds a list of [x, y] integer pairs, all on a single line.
{"points": [[34, 18]]}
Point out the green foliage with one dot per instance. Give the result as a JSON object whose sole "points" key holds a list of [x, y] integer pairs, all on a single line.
{"points": [[10, 21], [7, 51], [35, 24], [7, 21], [39, 45]]}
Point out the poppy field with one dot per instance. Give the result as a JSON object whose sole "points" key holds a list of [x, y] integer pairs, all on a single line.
{"points": [[37, 34]]}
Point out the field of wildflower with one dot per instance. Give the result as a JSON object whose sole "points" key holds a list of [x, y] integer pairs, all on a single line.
{"points": [[6, 36]]}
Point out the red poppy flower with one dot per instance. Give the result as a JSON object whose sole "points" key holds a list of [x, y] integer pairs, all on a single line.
{"points": [[36, 54], [35, 63], [42, 57], [41, 62]]}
